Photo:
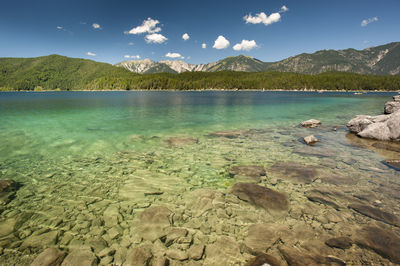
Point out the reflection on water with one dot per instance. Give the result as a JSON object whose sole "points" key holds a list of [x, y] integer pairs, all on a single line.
{"points": [[136, 177]]}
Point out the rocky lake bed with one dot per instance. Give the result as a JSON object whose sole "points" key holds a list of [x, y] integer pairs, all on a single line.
{"points": [[247, 196]]}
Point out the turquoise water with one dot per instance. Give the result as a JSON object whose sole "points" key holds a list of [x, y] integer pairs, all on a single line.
{"points": [[90, 163]]}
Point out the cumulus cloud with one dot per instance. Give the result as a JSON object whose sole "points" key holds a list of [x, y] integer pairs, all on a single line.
{"points": [[262, 18], [148, 26], [131, 43], [132, 56], [245, 45], [174, 55], [221, 43], [155, 38], [96, 26], [185, 36], [284, 9], [60, 28], [91, 54], [365, 22], [203, 45]]}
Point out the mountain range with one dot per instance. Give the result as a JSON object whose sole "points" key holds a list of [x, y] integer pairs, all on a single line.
{"points": [[380, 60]]}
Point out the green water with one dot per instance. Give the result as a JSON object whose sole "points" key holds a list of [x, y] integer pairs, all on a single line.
{"points": [[80, 154]]}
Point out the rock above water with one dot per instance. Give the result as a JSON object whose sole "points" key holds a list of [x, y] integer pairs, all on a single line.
{"points": [[310, 140], [260, 196], [339, 242], [376, 214], [179, 141], [381, 127], [263, 260], [384, 242], [252, 171], [391, 107], [295, 171], [311, 123], [49, 257]]}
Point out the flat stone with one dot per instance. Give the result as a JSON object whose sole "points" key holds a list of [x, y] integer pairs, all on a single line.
{"points": [[230, 134], [323, 198], [41, 241], [138, 256], [177, 254], [260, 237], [295, 257], [252, 172], [311, 123], [384, 242], [7, 226], [49, 257], [315, 151], [196, 251], [339, 242], [263, 260], [110, 216], [310, 140], [153, 222], [179, 141], [376, 214], [80, 257], [174, 234], [295, 171], [260, 196], [224, 251], [389, 146]]}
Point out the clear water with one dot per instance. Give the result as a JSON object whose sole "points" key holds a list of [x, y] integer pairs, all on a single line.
{"points": [[77, 153]]}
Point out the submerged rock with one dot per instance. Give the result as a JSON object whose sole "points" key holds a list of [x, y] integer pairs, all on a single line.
{"points": [[139, 256], [310, 140], [260, 196], [315, 151], [153, 222], [179, 141], [376, 214], [230, 134], [295, 257], [311, 123], [224, 251], [80, 257], [384, 242], [260, 237], [7, 190], [49, 257], [394, 164], [295, 171], [40, 241], [252, 171], [263, 260], [339, 242], [381, 127]]}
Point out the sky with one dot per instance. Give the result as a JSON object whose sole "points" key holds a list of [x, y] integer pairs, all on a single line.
{"points": [[196, 31]]}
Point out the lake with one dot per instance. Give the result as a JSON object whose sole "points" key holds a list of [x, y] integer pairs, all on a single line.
{"points": [[163, 174]]}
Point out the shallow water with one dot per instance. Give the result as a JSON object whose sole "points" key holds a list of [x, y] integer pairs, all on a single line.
{"points": [[91, 162]]}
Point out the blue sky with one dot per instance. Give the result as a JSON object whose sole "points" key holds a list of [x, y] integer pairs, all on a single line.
{"points": [[270, 31]]}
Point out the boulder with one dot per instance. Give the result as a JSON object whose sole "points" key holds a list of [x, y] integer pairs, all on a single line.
{"points": [[311, 123], [376, 214], [391, 107], [381, 127], [260, 196], [383, 241], [339, 242], [49, 257], [82, 256], [263, 260], [310, 140]]}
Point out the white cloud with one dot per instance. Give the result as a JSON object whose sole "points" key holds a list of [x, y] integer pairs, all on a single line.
{"points": [[96, 26], [262, 18], [203, 45], [185, 36], [284, 9], [131, 43], [221, 43], [91, 54], [365, 22], [59, 27], [132, 56], [148, 26], [245, 45], [155, 38], [174, 55]]}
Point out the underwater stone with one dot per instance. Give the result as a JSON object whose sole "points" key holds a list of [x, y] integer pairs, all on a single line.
{"points": [[310, 140], [179, 141], [252, 171], [339, 242], [260, 237], [230, 134], [295, 171], [40, 241], [49, 257], [384, 242], [196, 251], [82, 256], [263, 260], [153, 222], [177, 254], [261, 196], [138, 256], [224, 251], [376, 214]]}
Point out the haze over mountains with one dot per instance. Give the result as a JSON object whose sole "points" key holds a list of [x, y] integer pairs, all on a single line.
{"points": [[381, 60]]}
